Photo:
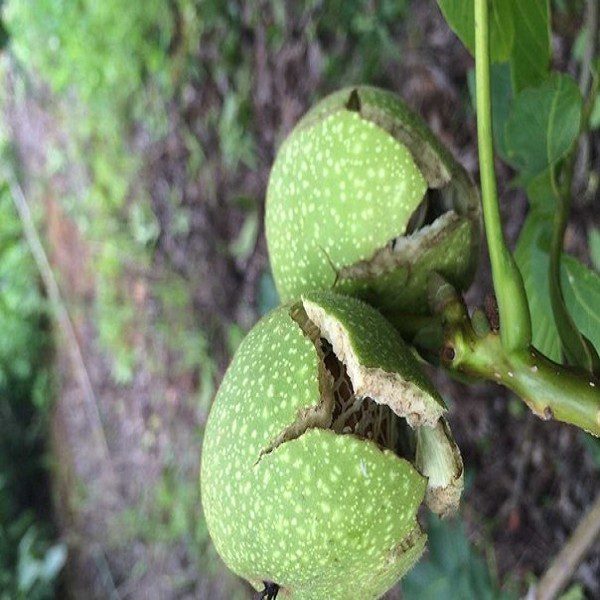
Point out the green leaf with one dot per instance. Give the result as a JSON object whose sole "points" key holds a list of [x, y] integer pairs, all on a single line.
{"points": [[575, 592], [452, 570], [581, 287], [533, 260], [460, 15], [243, 246], [542, 125], [531, 49], [541, 193]]}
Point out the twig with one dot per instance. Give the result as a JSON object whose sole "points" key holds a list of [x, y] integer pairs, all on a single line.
{"points": [[61, 313], [564, 565]]}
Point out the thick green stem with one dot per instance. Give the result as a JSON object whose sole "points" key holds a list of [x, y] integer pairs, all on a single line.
{"points": [[549, 389], [515, 322]]}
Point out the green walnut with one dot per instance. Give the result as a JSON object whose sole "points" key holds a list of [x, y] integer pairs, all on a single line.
{"points": [[322, 443], [364, 200]]}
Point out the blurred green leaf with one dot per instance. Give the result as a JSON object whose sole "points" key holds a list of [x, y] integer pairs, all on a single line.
{"points": [[33, 571], [531, 51], [460, 15], [243, 245], [3, 35], [595, 115], [235, 335], [143, 223], [579, 45], [575, 592], [452, 570], [542, 126], [581, 287]]}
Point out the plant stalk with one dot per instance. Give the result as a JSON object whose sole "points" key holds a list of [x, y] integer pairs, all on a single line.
{"points": [[515, 322], [564, 565], [551, 391]]}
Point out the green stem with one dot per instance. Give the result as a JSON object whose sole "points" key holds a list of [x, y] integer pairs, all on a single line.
{"points": [[549, 389], [515, 322]]}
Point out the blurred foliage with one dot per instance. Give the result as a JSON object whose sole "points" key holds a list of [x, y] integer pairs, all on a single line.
{"points": [[108, 66], [452, 569], [29, 563], [114, 68], [368, 28]]}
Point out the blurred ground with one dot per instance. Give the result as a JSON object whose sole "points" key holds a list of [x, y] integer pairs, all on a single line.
{"points": [[126, 486]]}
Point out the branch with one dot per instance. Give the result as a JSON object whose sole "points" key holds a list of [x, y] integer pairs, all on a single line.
{"points": [[561, 570], [551, 391]]}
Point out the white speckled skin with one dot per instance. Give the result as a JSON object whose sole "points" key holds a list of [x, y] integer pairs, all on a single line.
{"points": [[324, 515], [345, 183], [338, 191]]}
